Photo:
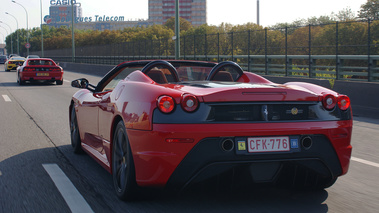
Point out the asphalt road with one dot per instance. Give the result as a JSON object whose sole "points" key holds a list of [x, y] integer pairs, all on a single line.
{"points": [[34, 134]]}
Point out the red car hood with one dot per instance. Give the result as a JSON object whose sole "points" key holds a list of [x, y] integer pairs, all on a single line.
{"points": [[234, 91]]}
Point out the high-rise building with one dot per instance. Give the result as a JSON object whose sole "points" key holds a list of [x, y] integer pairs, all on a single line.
{"points": [[61, 15], [194, 11]]}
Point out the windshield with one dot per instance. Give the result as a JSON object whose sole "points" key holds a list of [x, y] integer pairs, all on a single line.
{"points": [[40, 62], [18, 58], [193, 73]]}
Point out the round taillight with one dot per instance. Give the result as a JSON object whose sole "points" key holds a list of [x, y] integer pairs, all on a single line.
{"points": [[189, 103], [166, 104], [329, 101], [343, 102]]}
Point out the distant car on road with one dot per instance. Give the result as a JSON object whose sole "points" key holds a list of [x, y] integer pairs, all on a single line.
{"points": [[40, 69], [3, 59], [168, 124], [32, 56], [13, 55], [13, 62]]}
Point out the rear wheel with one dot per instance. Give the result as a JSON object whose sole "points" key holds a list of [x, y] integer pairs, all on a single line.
{"points": [[123, 172], [326, 183], [59, 82], [19, 81], [74, 132]]}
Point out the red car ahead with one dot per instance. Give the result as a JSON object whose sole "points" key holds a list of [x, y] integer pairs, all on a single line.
{"points": [[173, 123], [39, 69]]}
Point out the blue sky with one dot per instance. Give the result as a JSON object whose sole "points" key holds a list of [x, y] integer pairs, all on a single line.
{"points": [[233, 12]]}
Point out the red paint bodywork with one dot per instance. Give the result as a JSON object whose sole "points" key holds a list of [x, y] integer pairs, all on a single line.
{"points": [[32, 74], [154, 158]]}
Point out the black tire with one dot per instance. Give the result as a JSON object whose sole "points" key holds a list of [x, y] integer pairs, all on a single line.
{"points": [[123, 172], [326, 183], [74, 132], [19, 81], [59, 82]]}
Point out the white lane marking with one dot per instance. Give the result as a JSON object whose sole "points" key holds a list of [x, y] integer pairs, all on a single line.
{"points": [[6, 98], [71, 195], [66, 80], [365, 162]]}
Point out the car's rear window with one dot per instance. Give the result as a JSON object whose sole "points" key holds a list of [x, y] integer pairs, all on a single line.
{"points": [[194, 73], [18, 58], [40, 62]]}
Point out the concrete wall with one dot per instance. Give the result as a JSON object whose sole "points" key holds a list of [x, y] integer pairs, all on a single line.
{"points": [[364, 96], [91, 69]]}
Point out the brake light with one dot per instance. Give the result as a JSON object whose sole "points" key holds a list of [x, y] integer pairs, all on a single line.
{"points": [[55, 69], [189, 103], [329, 101], [10, 62], [166, 104], [343, 102], [29, 69]]}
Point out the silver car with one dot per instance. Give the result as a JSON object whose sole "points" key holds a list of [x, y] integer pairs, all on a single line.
{"points": [[3, 59]]}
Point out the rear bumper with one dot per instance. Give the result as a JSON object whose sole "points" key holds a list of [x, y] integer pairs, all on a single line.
{"points": [[207, 160], [32, 76], [159, 163], [11, 67]]}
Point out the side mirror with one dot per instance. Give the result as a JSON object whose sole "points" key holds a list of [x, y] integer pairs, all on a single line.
{"points": [[83, 83], [80, 83]]}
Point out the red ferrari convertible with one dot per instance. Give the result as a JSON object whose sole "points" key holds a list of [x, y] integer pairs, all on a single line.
{"points": [[39, 69], [174, 123]]}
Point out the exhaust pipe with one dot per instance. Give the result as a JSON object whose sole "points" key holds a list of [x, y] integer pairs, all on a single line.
{"points": [[306, 142], [227, 145]]}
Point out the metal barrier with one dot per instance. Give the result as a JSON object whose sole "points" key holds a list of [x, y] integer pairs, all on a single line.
{"points": [[331, 67]]}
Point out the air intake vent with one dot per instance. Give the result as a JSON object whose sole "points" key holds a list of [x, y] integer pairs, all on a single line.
{"points": [[261, 112]]}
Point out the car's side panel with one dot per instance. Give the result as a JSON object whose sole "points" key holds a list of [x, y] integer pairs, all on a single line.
{"points": [[135, 101], [87, 111]]}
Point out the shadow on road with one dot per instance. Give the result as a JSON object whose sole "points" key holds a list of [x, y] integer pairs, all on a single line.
{"points": [[26, 185]]}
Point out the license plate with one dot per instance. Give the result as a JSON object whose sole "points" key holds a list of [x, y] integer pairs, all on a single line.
{"points": [[42, 74], [268, 144]]}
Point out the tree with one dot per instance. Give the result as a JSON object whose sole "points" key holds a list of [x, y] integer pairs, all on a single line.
{"points": [[344, 15], [370, 10], [184, 24]]}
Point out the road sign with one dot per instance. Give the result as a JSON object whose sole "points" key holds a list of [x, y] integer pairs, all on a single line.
{"points": [[27, 45]]}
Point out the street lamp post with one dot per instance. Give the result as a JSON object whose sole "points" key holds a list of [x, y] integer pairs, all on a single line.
{"points": [[5, 29], [18, 41], [73, 2], [10, 35], [72, 31], [27, 25], [3, 39], [7, 33], [4, 43], [257, 12], [41, 32], [177, 30]]}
